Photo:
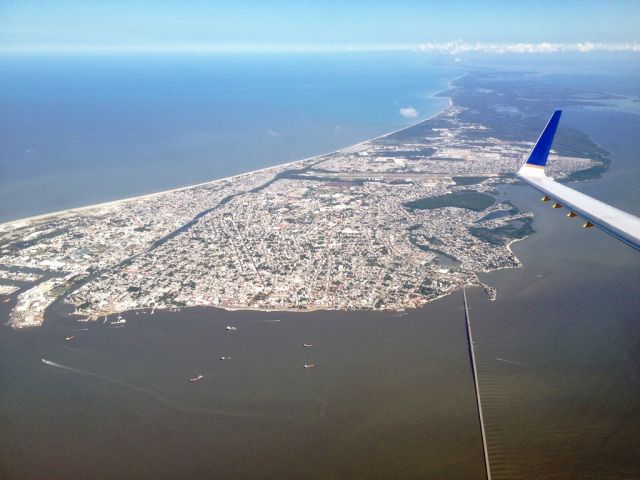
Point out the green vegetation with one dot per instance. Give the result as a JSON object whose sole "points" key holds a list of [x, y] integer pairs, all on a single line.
{"points": [[67, 286], [530, 101], [434, 240], [590, 173], [519, 228], [500, 213], [440, 253], [469, 200]]}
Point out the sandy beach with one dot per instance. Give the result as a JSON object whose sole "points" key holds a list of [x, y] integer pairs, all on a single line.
{"points": [[23, 222]]}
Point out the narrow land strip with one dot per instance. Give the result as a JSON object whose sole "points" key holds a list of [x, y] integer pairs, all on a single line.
{"points": [[474, 370]]}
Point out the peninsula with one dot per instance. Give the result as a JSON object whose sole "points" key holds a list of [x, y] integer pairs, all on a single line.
{"points": [[390, 223]]}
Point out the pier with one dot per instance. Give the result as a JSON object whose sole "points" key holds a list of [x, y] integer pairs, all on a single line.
{"points": [[474, 371]]}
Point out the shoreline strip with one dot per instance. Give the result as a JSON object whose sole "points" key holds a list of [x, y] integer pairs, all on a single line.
{"points": [[23, 222]]}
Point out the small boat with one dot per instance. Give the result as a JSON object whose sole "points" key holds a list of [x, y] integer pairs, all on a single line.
{"points": [[309, 365], [6, 300], [223, 357], [119, 321], [68, 339], [196, 379], [307, 345], [231, 328]]}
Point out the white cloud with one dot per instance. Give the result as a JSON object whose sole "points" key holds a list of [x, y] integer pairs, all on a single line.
{"points": [[408, 112], [448, 48], [458, 47], [273, 133]]}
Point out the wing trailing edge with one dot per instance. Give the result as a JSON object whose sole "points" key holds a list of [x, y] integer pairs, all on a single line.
{"points": [[617, 223]]}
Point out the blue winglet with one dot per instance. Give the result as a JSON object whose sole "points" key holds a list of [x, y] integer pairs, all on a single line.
{"points": [[540, 152]]}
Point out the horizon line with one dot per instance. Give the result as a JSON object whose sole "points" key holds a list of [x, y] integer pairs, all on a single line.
{"points": [[443, 48]]}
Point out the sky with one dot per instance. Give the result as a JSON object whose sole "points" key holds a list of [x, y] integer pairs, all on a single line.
{"points": [[302, 24]]}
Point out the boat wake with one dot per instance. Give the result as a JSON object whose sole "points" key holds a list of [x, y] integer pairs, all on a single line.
{"points": [[54, 364], [513, 362], [178, 406]]}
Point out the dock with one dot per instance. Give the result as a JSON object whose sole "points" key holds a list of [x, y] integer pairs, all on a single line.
{"points": [[474, 370]]}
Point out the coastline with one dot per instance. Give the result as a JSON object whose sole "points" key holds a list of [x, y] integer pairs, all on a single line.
{"points": [[446, 93], [26, 221], [272, 174]]}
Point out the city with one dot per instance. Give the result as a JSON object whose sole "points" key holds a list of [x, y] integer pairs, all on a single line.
{"points": [[353, 229]]}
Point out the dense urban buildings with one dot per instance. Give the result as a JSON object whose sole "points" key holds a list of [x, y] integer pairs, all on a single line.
{"points": [[390, 223]]}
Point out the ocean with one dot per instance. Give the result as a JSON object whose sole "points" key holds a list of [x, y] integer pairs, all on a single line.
{"points": [[79, 130]]}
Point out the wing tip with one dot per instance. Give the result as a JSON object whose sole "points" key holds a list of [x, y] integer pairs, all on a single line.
{"points": [[540, 151]]}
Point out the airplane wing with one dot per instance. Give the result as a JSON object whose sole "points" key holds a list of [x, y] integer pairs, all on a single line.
{"points": [[621, 225]]}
